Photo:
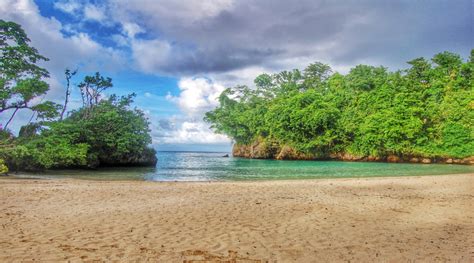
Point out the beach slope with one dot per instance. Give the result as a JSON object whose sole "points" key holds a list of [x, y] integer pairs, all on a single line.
{"points": [[429, 218]]}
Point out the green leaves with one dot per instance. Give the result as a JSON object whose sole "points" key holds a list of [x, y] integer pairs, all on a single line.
{"points": [[112, 134], [92, 88], [47, 110], [30, 88], [3, 167], [20, 76], [103, 131], [18, 59], [426, 110]]}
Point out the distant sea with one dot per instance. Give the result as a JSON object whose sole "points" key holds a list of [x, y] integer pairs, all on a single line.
{"points": [[212, 166]]}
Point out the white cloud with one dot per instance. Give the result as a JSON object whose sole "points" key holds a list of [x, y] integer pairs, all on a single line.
{"points": [[196, 132], [92, 12], [181, 130], [45, 34], [220, 36], [120, 40], [150, 55], [186, 12], [78, 50], [244, 76], [69, 7], [83, 10], [131, 29], [197, 95]]}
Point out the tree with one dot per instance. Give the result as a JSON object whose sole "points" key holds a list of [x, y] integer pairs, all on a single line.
{"points": [[92, 89], [316, 74], [69, 74], [104, 131], [20, 76], [112, 134], [423, 111]]}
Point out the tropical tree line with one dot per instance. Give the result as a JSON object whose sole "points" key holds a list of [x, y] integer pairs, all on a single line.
{"points": [[425, 110], [105, 130]]}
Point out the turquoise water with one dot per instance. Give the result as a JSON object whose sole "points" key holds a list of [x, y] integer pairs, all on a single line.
{"points": [[198, 166]]}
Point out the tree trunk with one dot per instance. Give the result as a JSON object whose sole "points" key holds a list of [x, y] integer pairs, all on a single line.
{"points": [[65, 104], [69, 75], [11, 118]]}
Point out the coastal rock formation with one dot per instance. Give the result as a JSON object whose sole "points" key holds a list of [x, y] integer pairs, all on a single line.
{"points": [[261, 149], [426, 160], [393, 159], [257, 150], [289, 153]]}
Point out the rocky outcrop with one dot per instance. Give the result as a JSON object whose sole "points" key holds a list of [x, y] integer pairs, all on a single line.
{"points": [[261, 149], [257, 150], [289, 153], [346, 157], [393, 159], [267, 150]]}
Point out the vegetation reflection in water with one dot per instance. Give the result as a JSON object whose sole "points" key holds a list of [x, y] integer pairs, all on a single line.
{"points": [[194, 166]]}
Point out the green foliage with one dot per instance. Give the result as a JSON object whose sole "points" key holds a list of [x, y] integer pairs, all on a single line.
{"points": [[305, 121], [109, 133], [3, 167], [105, 131], [92, 88], [20, 76], [46, 152], [113, 131], [425, 110]]}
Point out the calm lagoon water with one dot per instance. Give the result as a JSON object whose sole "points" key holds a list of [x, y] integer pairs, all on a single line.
{"points": [[199, 166]]}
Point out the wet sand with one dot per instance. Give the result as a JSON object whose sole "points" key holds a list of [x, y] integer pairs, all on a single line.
{"points": [[398, 219]]}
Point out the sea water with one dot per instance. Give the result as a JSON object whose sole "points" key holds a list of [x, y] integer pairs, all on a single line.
{"points": [[208, 166]]}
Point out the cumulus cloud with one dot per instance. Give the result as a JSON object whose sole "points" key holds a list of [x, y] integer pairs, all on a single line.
{"points": [[180, 129], [76, 50], [150, 55], [69, 7], [190, 132], [223, 36], [131, 29], [187, 12], [93, 12], [197, 96]]}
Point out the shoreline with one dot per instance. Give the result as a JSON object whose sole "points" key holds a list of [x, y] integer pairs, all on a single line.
{"points": [[290, 154], [261, 150], [423, 218], [66, 178], [265, 180]]}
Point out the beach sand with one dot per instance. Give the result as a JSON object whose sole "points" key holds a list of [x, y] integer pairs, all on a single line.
{"points": [[428, 219]]}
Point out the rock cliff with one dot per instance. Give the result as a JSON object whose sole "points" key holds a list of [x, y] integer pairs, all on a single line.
{"points": [[265, 150]]}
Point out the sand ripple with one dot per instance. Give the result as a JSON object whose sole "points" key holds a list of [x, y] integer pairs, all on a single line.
{"points": [[378, 219]]}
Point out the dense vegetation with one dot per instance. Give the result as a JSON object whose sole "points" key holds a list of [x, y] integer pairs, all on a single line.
{"points": [[104, 131], [423, 111]]}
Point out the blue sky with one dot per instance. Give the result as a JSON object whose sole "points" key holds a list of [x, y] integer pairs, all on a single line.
{"points": [[177, 56]]}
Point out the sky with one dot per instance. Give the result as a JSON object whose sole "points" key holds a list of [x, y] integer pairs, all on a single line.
{"points": [[178, 56]]}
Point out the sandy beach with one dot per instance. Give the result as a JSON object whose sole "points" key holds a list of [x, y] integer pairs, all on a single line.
{"points": [[428, 219]]}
